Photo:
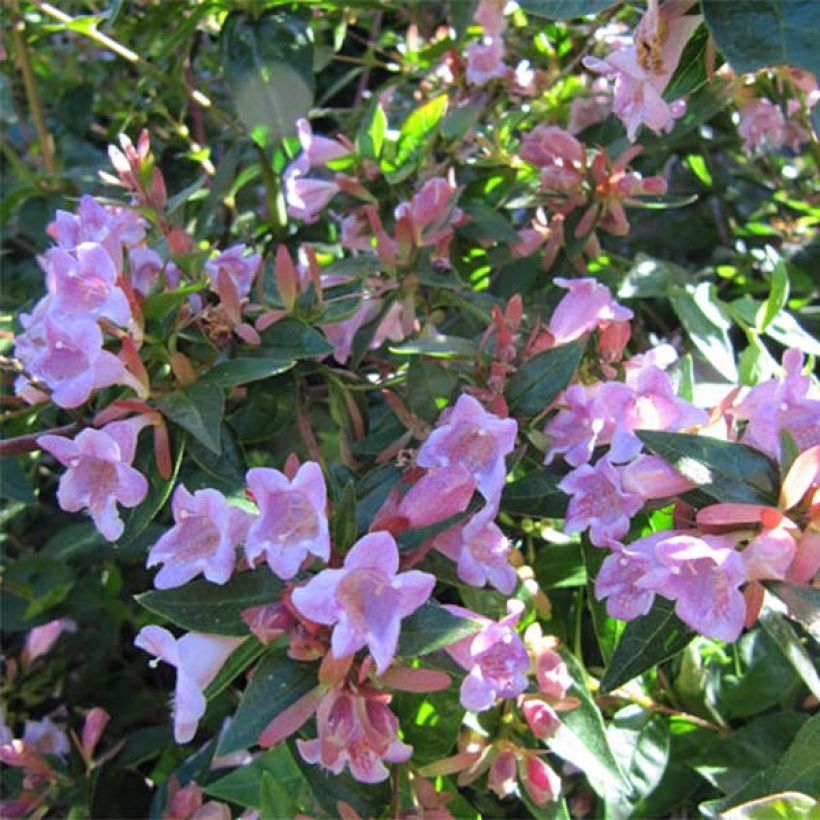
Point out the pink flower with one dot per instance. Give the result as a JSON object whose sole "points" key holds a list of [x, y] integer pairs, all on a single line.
{"points": [[83, 284], [587, 110], [619, 574], [503, 777], [651, 477], [67, 356], [431, 212], [485, 61], [542, 719], [481, 551], [307, 197], [490, 16], [144, 267], [366, 599], [318, 150], [762, 125], [587, 305], [341, 334], [643, 70], [552, 675], [95, 722], [357, 730], [769, 555], [474, 438], [99, 474], [599, 502], [45, 738], [438, 495], [204, 539], [240, 268], [549, 145], [40, 639], [292, 522], [197, 659], [496, 659], [541, 783]]}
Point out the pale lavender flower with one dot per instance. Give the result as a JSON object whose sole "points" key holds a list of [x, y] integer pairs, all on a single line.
{"points": [[341, 334], [598, 502], [45, 738], [292, 521], [620, 572], [585, 307], [366, 599], [306, 197], [40, 639], [240, 267], [145, 266], [485, 61], [318, 150], [197, 658], [490, 16], [203, 539], [478, 440], [99, 474]]}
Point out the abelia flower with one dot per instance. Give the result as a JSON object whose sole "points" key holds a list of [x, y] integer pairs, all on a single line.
{"points": [[83, 283], [40, 639], [94, 725], [44, 737], [307, 197], [341, 334], [586, 306], [144, 266], [292, 521], [358, 730], [366, 600], [502, 778], [204, 538], [490, 16], [99, 474], [478, 440], [67, 355], [197, 658], [552, 675], [769, 555], [541, 783], [318, 150], [240, 268], [620, 573], [481, 552], [598, 502], [496, 659], [651, 477], [542, 719], [438, 495], [549, 145], [485, 61], [762, 125], [431, 212], [590, 109]]}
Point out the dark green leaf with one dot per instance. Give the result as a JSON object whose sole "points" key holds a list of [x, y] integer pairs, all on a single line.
{"points": [[438, 346], [558, 566], [799, 768], [198, 409], [778, 296], [277, 683], [759, 33], [238, 661], [343, 526], [242, 371], [487, 223], [647, 641], [724, 470], [785, 639], [536, 496], [14, 485], [564, 9], [432, 627], [293, 339], [802, 604], [430, 723], [217, 609], [158, 305], [538, 382]]}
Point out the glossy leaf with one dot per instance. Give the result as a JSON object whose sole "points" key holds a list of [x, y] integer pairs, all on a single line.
{"points": [[799, 768], [564, 9], [536, 496], [293, 339], [238, 661], [199, 410], [432, 627], [234, 372]]}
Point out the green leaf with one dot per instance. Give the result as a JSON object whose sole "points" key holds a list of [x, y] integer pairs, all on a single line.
{"points": [[788, 805], [429, 386], [291, 338], [581, 739], [761, 33], [216, 609], [778, 296], [14, 485], [487, 223], [704, 322], [799, 768], [726, 471], [198, 409], [559, 566], [158, 305], [438, 346], [647, 641], [802, 604], [538, 382], [564, 9], [432, 627], [238, 661], [415, 132], [244, 370], [277, 683], [268, 63], [343, 526], [430, 723], [786, 640], [370, 136], [241, 786], [536, 496]]}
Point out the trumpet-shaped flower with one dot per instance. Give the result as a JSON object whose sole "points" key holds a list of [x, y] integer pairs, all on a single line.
{"points": [[197, 659], [99, 474], [485, 61], [587, 305], [292, 522], [358, 730], [40, 640], [240, 268], [203, 539], [366, 600], [474, 438]]}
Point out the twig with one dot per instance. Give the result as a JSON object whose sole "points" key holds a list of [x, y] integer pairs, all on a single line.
{"points": [[28, 443]]}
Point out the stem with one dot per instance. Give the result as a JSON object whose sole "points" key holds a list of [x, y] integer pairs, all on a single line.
{"points": [[28, 443], [32, 95]]}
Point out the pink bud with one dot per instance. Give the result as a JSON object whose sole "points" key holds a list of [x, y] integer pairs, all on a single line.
{"points": [[652, 477], [553, 676], [442, 493], [541, 718], [287, 279], [503, 776], [268, 621], [94, 726], [540, 781]]}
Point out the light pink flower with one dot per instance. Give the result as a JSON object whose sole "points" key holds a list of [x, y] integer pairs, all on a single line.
{"points": [[552, 675], [95, 722], [599, 502], [45, 738], [490, 16], [341, 334], [197, 658], [240, 268], [307, 197], [431, 212], [485, 61], [589, 109], [67, 355], [541, 783], [318, 150], [496, 659], [481, 551], [40, 639], [292, 521], [762, 125], [478, 440], [548, 145], [82, 283], [502, 777], [587, 305], [366, 599], [204, 539], [769, 555], [357, 730], [438, 495], [144, 267], [542, 719], [651, 477], [99, 474]]}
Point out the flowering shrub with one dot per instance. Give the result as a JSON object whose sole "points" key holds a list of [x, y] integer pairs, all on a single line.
{"points": [[408, 420]]}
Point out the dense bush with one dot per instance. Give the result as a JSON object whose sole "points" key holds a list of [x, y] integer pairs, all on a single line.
{"points": [[427, 388]]}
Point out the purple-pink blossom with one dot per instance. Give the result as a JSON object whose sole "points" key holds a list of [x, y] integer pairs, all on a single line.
{"points": [[241, 268], [144, 268], [99, 474], [587, 305], [496, 659], [598, 502], [204, 538], [366, 600], [197, 658], [41, 638], [478, 440], [485, 61], [292, 521]]}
